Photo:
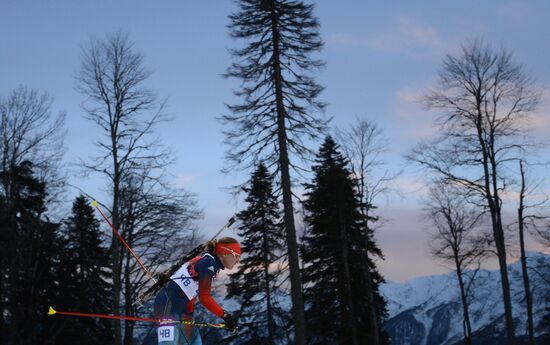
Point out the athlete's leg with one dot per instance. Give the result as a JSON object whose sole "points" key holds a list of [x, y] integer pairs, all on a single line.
{"points": [[190, 332], [166, 332], [197, 340], [171, 303]]}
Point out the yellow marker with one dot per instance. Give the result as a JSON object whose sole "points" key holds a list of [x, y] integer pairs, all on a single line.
{"points": [[51, 311], [94, 203]]}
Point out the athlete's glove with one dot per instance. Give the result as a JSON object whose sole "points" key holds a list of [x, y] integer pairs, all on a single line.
{"points": [[230, 322]]}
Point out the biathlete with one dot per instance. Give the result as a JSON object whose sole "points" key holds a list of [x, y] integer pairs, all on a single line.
{"points": [[176, 300]]}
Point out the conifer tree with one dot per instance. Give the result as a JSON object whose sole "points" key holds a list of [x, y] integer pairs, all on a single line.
{"points": [[85, 266], [332, 250], [256, 282], [279, 104], [32, 247]]}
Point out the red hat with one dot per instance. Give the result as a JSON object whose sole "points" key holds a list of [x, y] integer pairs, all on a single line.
{"points": [[228, 248]]}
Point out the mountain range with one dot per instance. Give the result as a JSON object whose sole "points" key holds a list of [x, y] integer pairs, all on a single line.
{"points": [[428, 310]]}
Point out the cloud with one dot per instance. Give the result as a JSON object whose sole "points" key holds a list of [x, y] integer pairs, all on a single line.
{"points": [[404, 35], [415, 121], [517, 11], [409, 36], [540, 118], [346, 40], [184, 180], [408, 185], [404, 242], [410, 96]]}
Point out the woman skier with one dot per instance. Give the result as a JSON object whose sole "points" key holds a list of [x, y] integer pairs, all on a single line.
{"points": [[176, 300]]}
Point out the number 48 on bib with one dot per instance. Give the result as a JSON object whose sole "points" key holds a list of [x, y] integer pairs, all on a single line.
{"points": [[166, 333]]}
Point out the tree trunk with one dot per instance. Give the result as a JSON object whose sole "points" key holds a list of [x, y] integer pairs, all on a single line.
{"points": [[501, 252], [491, 195], [372, 311], [465, 305], [128, 325], [293, 259], [270, 321], [115, 253], [294, 263], [115, 245], [526, 287], [348, 305]]}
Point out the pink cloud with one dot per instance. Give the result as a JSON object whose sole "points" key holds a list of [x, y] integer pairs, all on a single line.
{"points": [[403, 240], [411, 117], [184, 180]]}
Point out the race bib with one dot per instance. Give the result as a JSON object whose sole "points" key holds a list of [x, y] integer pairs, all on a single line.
{"points": [[166, 333], [189, 286]]}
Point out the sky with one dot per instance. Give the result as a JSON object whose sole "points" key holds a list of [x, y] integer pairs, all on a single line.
{"points": [[380, 58]]}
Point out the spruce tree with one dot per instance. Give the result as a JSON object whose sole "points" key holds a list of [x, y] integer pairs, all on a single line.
{"points": [[256, 282], [333, 251], [86, 269]]}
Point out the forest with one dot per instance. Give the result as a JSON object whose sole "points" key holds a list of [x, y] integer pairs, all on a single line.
{"points": [[312, 197]]}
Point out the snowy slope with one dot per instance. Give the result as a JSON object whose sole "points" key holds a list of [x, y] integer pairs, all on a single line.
{"points": [[428, 310]]}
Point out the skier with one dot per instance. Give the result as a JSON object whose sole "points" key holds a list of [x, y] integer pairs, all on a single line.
{"points": [[176, 301]]}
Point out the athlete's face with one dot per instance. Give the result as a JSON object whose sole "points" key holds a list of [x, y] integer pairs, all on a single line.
{"points": [[230, 260]]}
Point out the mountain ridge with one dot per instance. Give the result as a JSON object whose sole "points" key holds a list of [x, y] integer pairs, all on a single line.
{"points": [[427, 310]]}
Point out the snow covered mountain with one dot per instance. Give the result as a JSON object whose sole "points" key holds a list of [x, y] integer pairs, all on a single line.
{"points": [[428, 310]]}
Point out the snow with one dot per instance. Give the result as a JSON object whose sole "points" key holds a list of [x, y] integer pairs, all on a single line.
{"points": [[427, 294]]}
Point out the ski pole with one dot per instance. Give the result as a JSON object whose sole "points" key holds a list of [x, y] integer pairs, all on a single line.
{"points": [[52, 311], [94, 203]]}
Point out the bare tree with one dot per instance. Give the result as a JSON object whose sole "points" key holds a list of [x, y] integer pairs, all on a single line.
{"points": [[454, 240], [112, 78], [158, 222], [279, 97], [363, 144], [30, 134], [530, 217], [486, 99]]}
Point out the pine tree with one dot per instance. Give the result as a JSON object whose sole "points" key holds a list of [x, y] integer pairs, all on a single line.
{"points": [[332, 249], [85, 267], [256, 282]]}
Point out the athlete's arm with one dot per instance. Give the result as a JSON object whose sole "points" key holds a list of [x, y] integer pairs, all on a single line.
{"points": [[205, 269], [205, 297]]}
